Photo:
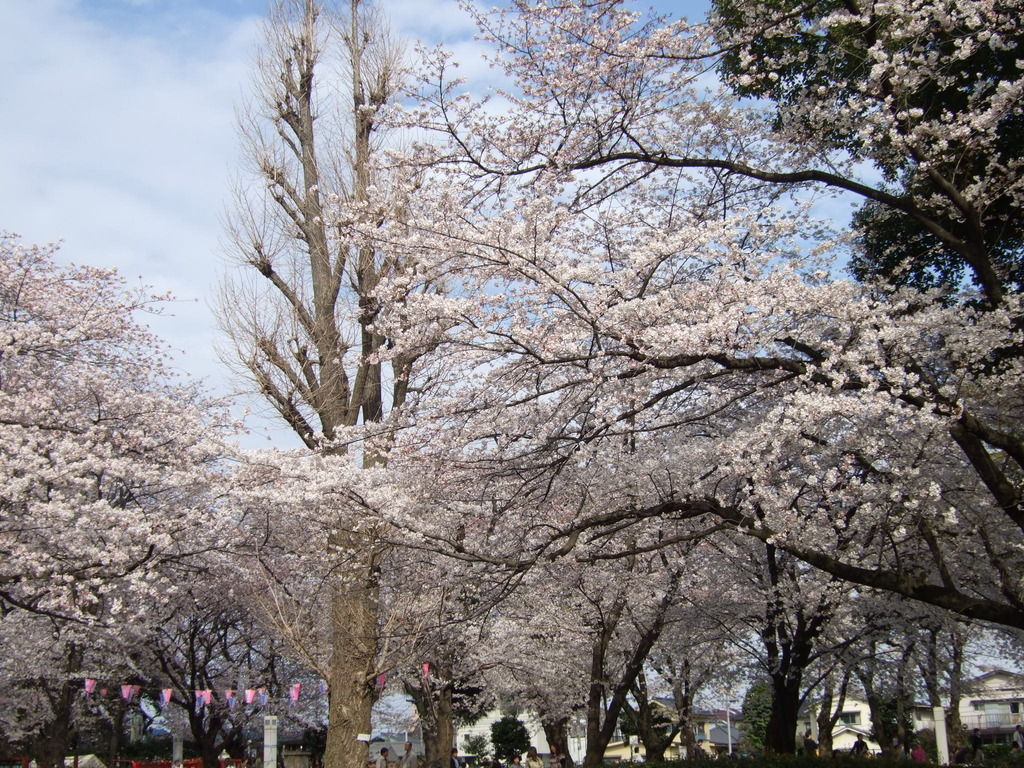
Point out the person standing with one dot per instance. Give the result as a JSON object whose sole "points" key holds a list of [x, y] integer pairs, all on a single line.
{"points": [[454, 763], [409, 759], [533, 759], [382, 761], [917, 754], [860, 747], [1018, 737], [976, 752], [810, 745]]}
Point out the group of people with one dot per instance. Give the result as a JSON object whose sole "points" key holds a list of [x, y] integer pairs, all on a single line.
{"points": [[533, 760], [408, 760], [971, 754], [860, 749]]}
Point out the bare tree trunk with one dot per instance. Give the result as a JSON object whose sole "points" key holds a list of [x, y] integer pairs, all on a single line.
{"points": [[604, 702]]}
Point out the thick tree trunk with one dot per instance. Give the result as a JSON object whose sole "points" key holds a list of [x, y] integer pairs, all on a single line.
{"points": [[780, 736], [831, 708], [350, 687], [432, 698], [440, 746], [205, 728], [117, 709], [824, 722], [557, 734], [604, 705], [55, 737], [789, 638], [656, 737]]}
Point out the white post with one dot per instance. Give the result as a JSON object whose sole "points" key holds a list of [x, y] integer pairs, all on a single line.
{"points": [[177, 749], [728, 726], [941, 741], [269, 741]]}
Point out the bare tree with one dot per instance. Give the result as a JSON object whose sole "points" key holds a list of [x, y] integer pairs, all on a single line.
{"points": [[300, 306]]}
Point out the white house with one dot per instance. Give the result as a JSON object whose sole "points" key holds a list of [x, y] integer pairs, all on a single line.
{"points": [[993, 701]]}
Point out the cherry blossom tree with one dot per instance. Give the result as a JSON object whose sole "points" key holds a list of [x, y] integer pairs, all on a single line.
{"points": [[40, 674], [210, 640], [649, 345], [108, 462], [696, 660], [110, 478]]}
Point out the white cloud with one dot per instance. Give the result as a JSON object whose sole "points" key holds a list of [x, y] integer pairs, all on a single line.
{"points": [[429, 20], [118, 135], [121, 144]]}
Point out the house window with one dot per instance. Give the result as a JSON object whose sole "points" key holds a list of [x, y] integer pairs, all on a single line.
{"points": [[850, 718], [1014, 707]]}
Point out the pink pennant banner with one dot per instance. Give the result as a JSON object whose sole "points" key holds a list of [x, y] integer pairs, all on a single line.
{"points": [[426, 669], [126, 692], [90, 686], [165, 696], [250, 694], [294, 693], [382, 680]]}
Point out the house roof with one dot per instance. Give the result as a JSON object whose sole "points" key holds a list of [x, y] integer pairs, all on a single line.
{"points": [[719, 734], [1014, 679]]}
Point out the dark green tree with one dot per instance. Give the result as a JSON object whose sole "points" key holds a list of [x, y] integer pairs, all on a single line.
{"points": [[757, 711], [949, 215], [509, 737], [476, 745]]}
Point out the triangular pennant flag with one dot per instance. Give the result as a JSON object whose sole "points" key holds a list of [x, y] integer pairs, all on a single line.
{"points": [[90, 686], [263, 696], [229, 696], [199, 698], [126, 692], [426, 669], [165, 696], [382, 680], [207, 696], [294, 693], [250, 694], [323, 687]]}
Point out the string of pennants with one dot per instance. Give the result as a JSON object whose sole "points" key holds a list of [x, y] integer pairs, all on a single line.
{"points": [[204, 697]]}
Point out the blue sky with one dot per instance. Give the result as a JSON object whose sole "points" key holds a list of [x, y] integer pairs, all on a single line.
{"points": [[118, 136]]}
